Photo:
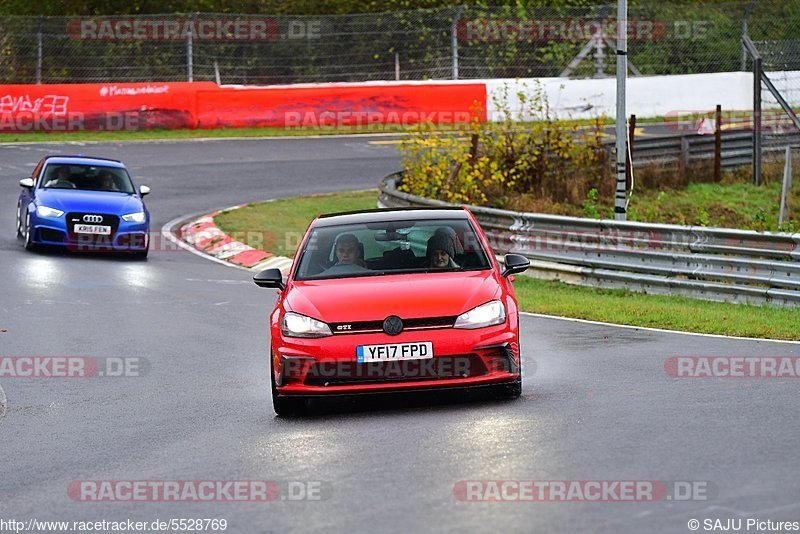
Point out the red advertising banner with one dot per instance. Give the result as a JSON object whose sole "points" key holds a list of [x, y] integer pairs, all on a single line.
{"points": [[328, 106], [142, 106], [78, 107]]}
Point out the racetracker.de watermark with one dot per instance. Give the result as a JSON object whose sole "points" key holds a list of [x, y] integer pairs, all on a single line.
{"points": [[33, 524], [72, 367], [583, 490], [733, 366], [199, 28], [312, 369], [577, 29], [198, 490], [705, 122], [371, 119], [41, 119]]}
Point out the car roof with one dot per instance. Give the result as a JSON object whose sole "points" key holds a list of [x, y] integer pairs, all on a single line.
{"points": [[390, 214], [84, 160]]}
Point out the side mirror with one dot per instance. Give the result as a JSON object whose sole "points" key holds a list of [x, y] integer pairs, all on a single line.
{"points": [[26, 182], [269, 278], [515, 263], [144, 190]]}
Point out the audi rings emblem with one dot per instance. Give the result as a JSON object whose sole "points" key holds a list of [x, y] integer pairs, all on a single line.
{"points": [[93, 218], [393, 325]]}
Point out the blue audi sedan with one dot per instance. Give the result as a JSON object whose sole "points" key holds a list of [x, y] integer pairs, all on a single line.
{"points": [[83, 204]]}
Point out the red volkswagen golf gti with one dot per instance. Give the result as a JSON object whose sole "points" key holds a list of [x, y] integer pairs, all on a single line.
{"points": [[393, 300]]}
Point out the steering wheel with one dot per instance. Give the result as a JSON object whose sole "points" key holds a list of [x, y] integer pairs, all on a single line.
{"points": [[61, 184]]}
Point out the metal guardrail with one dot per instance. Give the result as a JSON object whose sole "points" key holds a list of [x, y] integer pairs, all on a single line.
{"points": [[689, 147], [709, 263]]}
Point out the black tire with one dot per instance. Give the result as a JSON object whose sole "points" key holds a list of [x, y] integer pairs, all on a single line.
{"points": [[29, 244], [512, 390], [285, 406], [19, 222], [140, 254], [288, 406]]}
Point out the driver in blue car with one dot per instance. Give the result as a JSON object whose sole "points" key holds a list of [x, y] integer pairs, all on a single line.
{"points": [[62, 179], [107, 181]]}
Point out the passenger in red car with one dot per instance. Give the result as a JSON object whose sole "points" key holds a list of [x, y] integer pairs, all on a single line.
{"points": [[451, 234], [440, 252]]}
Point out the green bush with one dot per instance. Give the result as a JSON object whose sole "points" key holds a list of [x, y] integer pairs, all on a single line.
{"points": [[526, 157]]}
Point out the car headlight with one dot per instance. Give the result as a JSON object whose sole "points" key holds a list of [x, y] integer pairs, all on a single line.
{"points": [[44, 211], [137, 217], [296, 325], [491, 313]]}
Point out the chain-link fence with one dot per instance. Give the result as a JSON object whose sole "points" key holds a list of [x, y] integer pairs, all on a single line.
{"points": [[781, 60], [445, 43]]}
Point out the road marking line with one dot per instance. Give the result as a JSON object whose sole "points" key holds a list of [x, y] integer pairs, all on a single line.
{"points": [[3, 401], [639, 132], [647, 328]]}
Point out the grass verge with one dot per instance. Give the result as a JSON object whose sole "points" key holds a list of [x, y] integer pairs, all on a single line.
{"points": [[620, 306], [278, 226], [282, 223], [732, 205]]}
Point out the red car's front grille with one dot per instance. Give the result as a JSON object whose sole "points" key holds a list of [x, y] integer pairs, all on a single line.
{"points": [[350, 372], [408, 324]]}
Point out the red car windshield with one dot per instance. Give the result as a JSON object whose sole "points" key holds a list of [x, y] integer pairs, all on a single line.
{"points": [[391, 247]]}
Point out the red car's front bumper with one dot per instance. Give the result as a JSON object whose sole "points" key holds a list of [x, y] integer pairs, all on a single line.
{"points": [[462, 358]]}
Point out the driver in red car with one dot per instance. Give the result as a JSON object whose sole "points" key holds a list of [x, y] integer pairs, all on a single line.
{"points": [[349, 251]]}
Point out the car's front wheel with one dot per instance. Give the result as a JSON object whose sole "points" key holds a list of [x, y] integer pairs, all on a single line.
{"points": [[283, 405], [29, 244], [512, 390], [19, 222], [140, 254]]}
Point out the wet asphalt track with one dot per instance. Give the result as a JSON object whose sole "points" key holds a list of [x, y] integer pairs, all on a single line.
{"points": [[597, 403]]}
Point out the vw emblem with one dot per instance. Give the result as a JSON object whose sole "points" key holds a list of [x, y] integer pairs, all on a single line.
{"points": [[393, 325], [93, 218]]}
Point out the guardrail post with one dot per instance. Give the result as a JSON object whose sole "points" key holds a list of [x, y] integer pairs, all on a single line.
{"points": [[787, 186], [757, 120], [620, 197], [718, 145], [684, 157], [629, 168]]}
